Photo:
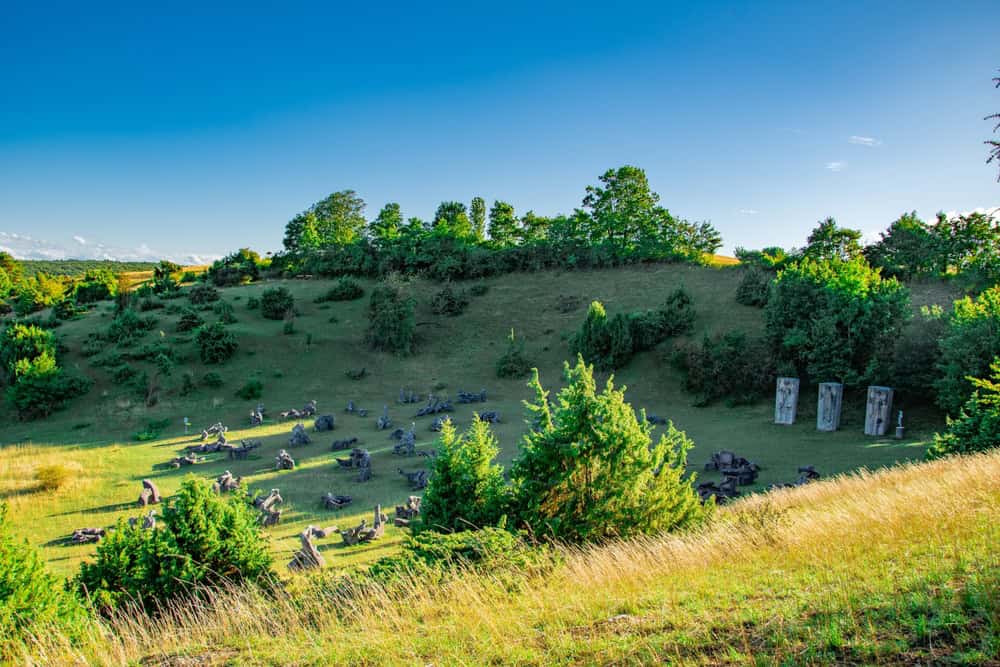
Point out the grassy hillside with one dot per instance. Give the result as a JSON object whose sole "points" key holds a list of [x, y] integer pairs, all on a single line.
{"points": [[94, 436], [895, 567]]}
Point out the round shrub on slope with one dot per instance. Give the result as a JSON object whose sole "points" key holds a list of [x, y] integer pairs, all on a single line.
{"points": [[216, 343]]}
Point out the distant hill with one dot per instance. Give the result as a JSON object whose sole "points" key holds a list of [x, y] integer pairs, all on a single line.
{"points": [[77, 267]]}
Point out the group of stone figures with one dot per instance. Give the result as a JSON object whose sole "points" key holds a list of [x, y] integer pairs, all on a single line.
{"points": [[831, 397], [308, 557], [738, 471]]}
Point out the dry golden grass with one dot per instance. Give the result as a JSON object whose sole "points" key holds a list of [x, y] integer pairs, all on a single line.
{"points": [[857, 569]]}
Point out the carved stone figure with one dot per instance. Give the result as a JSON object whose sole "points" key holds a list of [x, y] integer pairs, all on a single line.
{"points": [[284, 461], [150, 494], [299, 436], [324, 423], [831, 397], [786, 400], [878, 410]]}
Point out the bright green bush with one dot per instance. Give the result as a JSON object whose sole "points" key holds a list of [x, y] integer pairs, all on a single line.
{"points": [[466, 489], [276, 303], [23, 341], [203, 539], [590, 470], [32, 601], [42, 387], [95, 285], [970, 344], [836, 320], [216, 343], [977, 426]]}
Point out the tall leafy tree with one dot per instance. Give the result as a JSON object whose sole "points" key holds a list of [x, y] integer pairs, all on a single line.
{"points": [[533, 227], [387, 225], [836, 320], [466, 488], [503, 224], [971, 343], [590, 469], [905, 250], [336, 220], [624, 209], [477, 213], [452, 219], [828, 241]]}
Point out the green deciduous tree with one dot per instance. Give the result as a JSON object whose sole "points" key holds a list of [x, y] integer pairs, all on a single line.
{"points": [[452, 219], [503, 224], [590, 470], [466, 488], [337, 220], [828, 241], [836, 320], [387, 224], [905, 250], [477, 215], [970, 344]]}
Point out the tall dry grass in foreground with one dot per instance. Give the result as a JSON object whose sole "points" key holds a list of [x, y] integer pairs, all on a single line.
{"points": [[896, 566]]}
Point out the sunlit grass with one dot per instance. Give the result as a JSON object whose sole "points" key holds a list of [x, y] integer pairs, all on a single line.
{"points": [[895, 566]]}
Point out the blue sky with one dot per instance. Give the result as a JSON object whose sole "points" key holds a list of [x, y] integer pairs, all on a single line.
{"points": [[179, 132]]}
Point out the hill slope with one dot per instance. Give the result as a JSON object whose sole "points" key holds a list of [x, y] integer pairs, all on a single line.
{"points": [[895, 567], [94, 436]]}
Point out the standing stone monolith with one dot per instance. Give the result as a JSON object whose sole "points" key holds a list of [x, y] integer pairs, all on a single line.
{"points": [[878, 410], [786, 401], [831, 397]]}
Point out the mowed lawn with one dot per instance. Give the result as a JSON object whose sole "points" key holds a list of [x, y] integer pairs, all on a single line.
{"points": [[94, 436]]}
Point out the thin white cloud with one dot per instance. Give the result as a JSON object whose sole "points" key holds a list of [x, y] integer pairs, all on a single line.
{"points": [[749, 211], [76, 247], [992, 212], [838, 165], [864, 141]]}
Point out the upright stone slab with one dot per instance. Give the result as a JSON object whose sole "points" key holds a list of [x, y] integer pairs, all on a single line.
{"points": [[831, 396], [877, 412], [786, 400]]}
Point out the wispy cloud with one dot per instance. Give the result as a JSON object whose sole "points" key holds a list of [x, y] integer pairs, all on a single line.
{"points": [[749, 211], [838, 165], [992, 212], [22, 246], [863, 141]]}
